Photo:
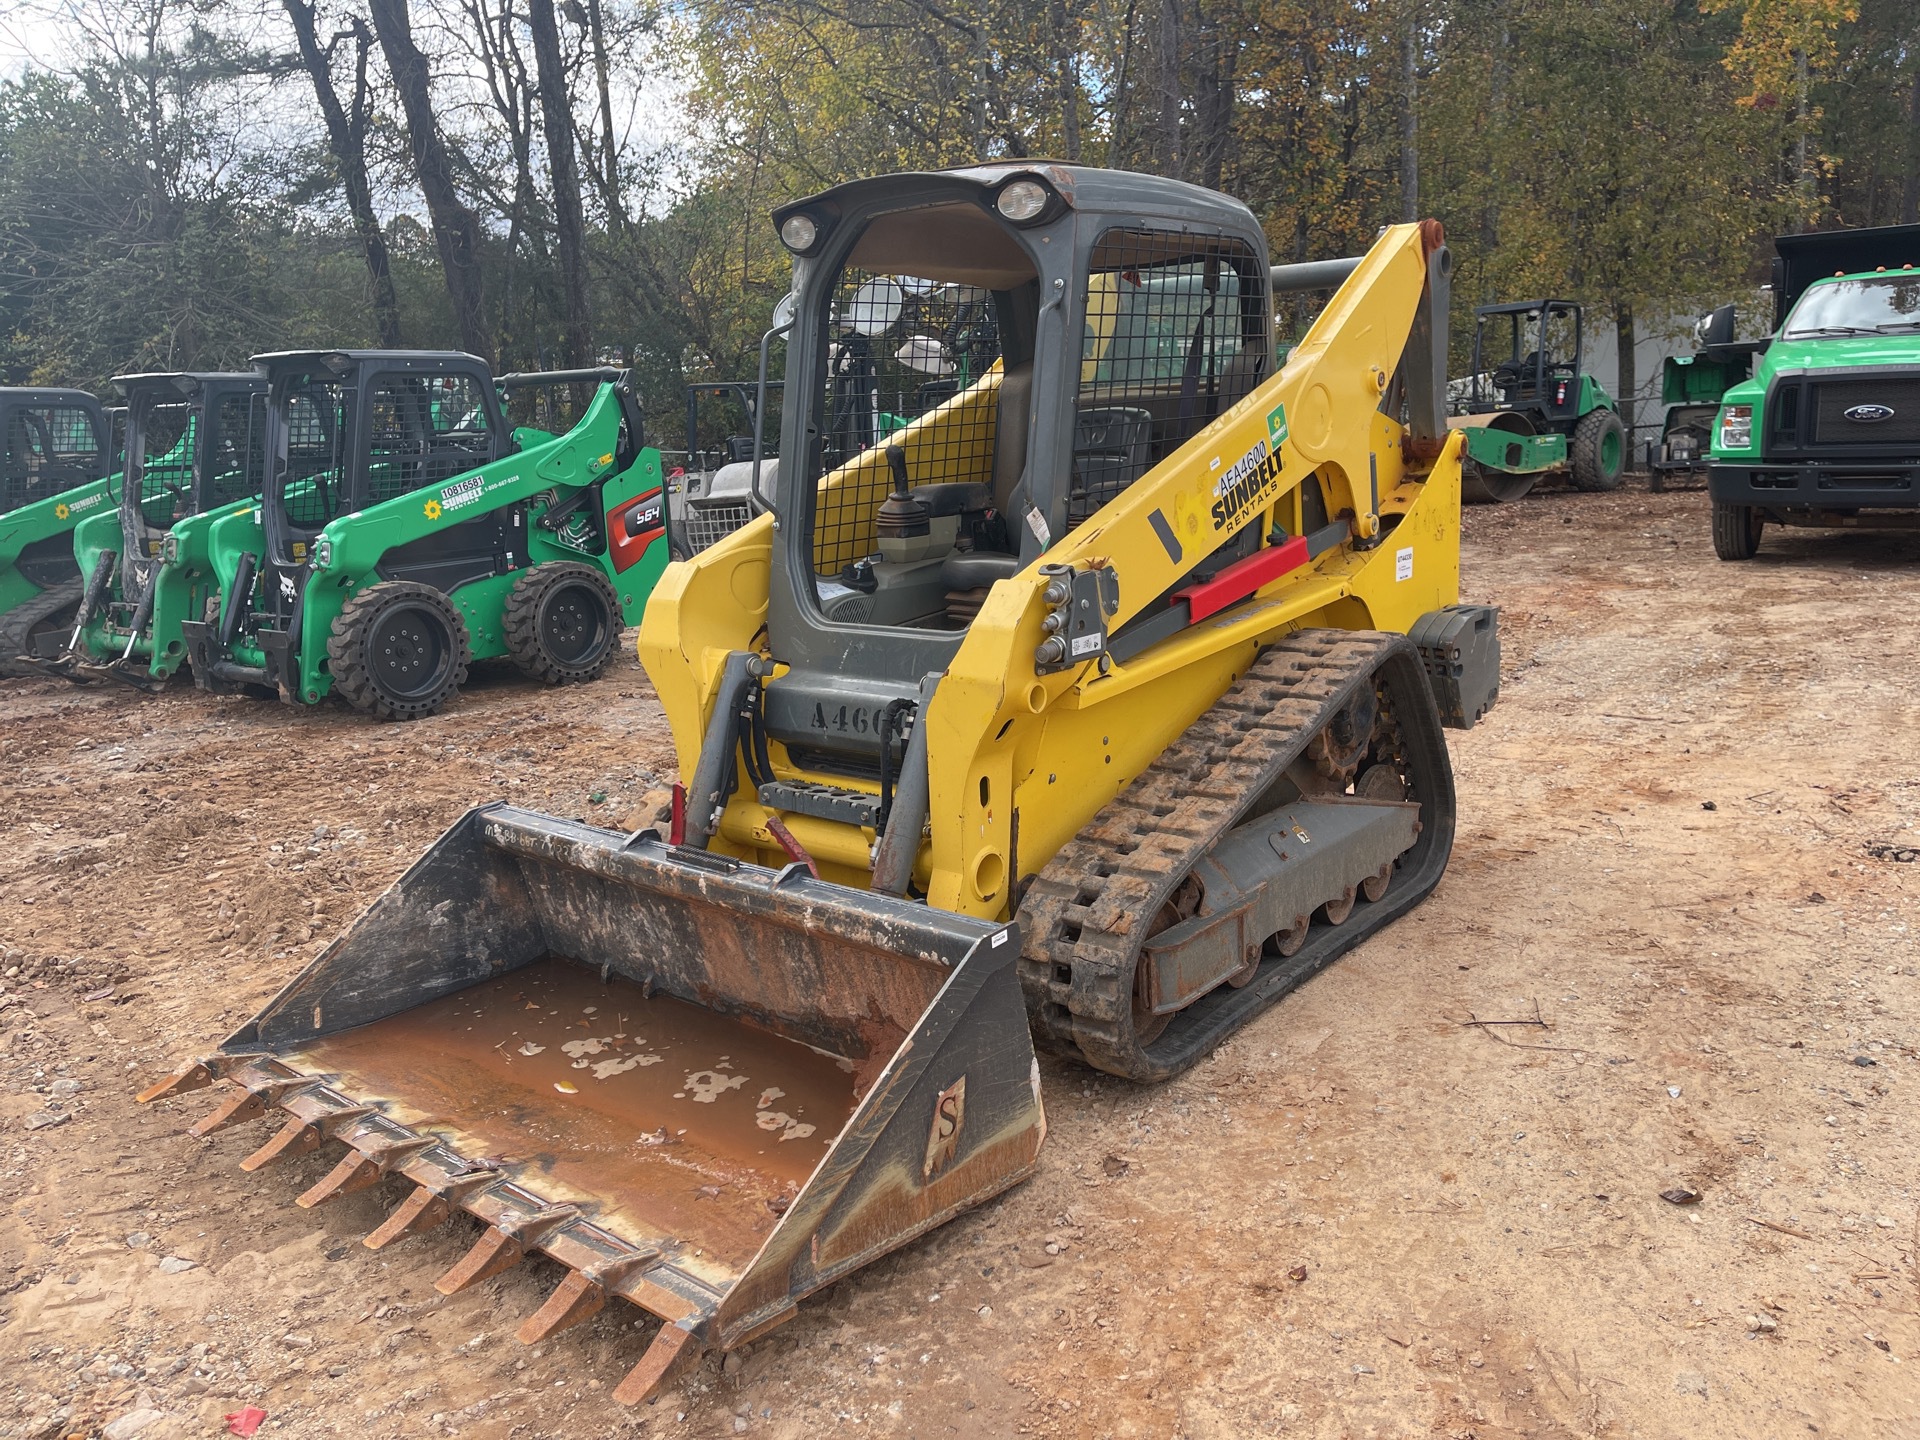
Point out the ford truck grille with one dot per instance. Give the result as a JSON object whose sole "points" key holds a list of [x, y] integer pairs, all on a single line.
{"points": [[1876, 410]]}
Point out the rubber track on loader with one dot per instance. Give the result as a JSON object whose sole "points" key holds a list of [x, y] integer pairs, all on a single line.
{"points": [[1113, 877], [17, 624]]}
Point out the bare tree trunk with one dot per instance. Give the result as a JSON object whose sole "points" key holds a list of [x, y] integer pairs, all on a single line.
{"points": [[1167, 148], [569, 219], [1629, 381], [347, 139], [1910, 181], [1118, 124], [609, 169], [1496, 115], [1066, 78], [1802, 171], [1410, 116], [456, 231], [1216, 58]]}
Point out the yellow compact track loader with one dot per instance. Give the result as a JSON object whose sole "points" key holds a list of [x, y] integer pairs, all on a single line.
{"points": [[1081, 677]]}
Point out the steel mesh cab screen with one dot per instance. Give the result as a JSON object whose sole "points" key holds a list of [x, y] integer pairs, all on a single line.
{"points": [[1176, 332], [314, 419], [421, 430], [50, 448], [901, 348], [167, 434], [236, 446]]}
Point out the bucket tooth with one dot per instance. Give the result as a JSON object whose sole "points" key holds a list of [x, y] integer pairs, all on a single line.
{"points": [[197, 1076], [580, 1296], [251, 1104], [672, 1346], [354, 1172], [362, 1166], [247, 1105], [577, 1298], [503, 1246], [493, 1252], [420, 1211], [301, 1137], [427, 1208], [296, 1137]]}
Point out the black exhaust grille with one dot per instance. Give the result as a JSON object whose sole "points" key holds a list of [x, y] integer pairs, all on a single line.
{"points": [[1877, 410]]}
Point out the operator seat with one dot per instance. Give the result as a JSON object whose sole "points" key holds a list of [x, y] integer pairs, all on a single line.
{"points": [[978, 569]]}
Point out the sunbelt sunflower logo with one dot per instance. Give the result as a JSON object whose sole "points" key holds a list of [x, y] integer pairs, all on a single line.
{"points": [[433, 510], [61, 511]]}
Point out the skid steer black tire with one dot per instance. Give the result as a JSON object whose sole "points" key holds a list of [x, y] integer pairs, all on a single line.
{"points": [[562, 623], [53, 608], [1599, 451], [1736, 530], [399, 650]]}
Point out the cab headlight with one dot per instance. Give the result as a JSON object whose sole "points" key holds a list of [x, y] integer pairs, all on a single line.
{"points": [[798, 232], [1022, 200], [322, 555], [1736, 427]]}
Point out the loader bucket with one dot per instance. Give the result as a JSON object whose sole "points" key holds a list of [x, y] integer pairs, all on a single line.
{"points": [[704, 1087]]}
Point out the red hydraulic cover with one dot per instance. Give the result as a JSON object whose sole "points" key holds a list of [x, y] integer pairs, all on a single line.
{"points": [[1242, 578]]}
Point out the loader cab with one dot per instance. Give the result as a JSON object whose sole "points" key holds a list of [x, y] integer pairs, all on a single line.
{"points": [[1526, 357], [979, 360], [347, 430], [194, 442], [55, 440]]}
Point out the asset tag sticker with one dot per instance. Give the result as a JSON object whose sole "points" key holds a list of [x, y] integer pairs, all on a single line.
{"points": [[1088, 644], [1037, 523], [1403, 565]]}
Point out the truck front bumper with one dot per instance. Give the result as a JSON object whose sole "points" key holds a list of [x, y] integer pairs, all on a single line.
{"points": [[1860, 485]]}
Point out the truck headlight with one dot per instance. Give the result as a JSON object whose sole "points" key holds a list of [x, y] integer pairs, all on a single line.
{"points": [[1736, 427], [322, 555]]}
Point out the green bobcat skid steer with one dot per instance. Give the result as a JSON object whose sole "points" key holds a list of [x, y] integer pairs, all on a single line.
{"points": [[404, 532], [193, 455], [58, 452], [1532, 409]]}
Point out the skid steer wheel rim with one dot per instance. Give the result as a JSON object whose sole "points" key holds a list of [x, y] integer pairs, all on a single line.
{"points": [[574, 624], [409, 652]]}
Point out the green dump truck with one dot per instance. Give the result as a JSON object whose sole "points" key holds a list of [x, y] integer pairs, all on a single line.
{"points": [[1827, 432]]}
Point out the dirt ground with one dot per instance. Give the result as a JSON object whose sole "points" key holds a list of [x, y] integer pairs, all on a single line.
{"points": [[1687, 848]]}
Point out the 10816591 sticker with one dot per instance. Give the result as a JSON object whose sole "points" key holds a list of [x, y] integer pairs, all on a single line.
{"points": [[462, 492], [1403, 565]]}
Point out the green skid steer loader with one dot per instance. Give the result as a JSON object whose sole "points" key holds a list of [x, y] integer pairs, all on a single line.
{"points": [[193, 455], [423, 535], [1535, 411], [58, 454]]}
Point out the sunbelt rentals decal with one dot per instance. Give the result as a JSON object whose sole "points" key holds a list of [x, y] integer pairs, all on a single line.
{"points": [[66, 510], [1251, 483], [462, 493]]}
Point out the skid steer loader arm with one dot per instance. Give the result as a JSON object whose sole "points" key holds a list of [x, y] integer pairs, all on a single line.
{"points": [[705, 1088]]}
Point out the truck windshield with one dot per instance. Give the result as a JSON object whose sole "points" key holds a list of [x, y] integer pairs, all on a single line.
{"points": [[1869, 306]]}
